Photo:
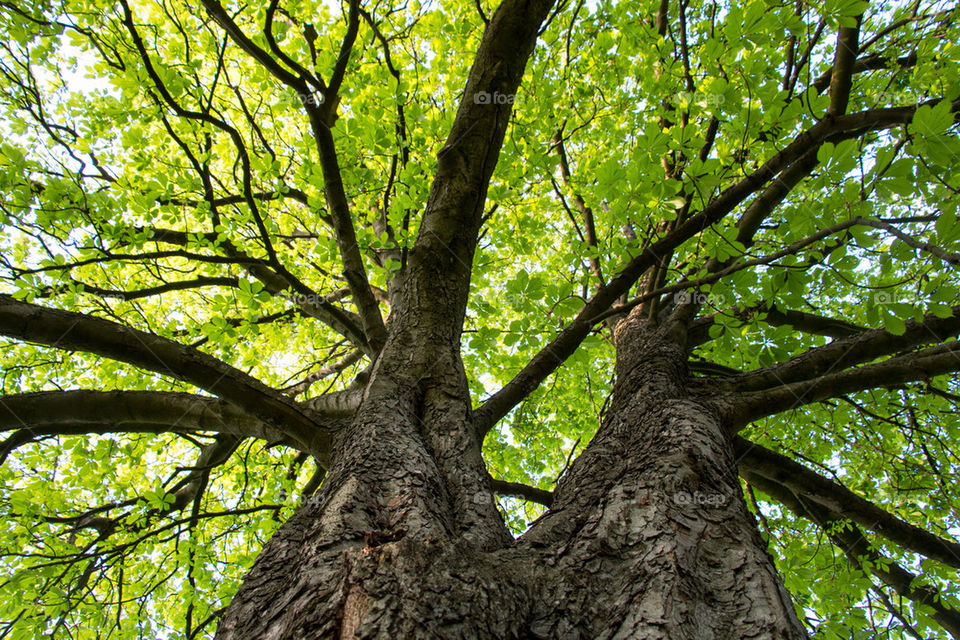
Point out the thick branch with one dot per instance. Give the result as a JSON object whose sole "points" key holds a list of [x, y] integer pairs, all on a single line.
{"points": [[523, 491], [854, 544], [867, 63], [79, 332], [321, 117], [699, 330], [841, 81], [744, 408], [78, 412], [340, 404], [857, 349], [811, 323], [764, 204], [136, 294], [811, 486], [467, 160], [353, 268], [343, 59]]}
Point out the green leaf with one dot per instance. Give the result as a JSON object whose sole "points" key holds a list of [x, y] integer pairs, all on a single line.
{"points": [[893, 323]]}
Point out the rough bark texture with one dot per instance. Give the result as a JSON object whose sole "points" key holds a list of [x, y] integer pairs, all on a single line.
{"points": [[648, 537], [649, 530]]}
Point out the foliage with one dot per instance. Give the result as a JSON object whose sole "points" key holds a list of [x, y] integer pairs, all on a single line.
{"points": [[618, 121]]}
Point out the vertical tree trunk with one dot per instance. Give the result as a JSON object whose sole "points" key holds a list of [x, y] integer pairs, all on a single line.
{"points": [[649, 536], [649, 531]]}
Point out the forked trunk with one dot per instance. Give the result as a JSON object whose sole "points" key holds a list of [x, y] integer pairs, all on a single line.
{"points": [[649, 536]]}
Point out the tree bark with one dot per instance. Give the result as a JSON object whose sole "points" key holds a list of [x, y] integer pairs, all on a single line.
{"points": [[649, 531], [648, 537]]}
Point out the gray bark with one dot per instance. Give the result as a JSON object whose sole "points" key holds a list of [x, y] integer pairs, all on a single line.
{"points": [[648, 536], [649, 530]]}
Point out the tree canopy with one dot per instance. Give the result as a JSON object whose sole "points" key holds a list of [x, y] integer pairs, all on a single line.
{"points": [[206, 209]]}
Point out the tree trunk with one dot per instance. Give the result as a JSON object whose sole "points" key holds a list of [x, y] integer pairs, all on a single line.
{"points": [[648, 533], [648, 537]]}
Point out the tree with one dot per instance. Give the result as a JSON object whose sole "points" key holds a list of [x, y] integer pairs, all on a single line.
{"points": [[292, 292]]}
